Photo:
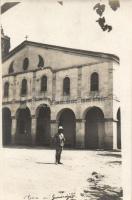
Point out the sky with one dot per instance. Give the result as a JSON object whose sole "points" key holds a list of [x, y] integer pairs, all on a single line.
{"points": [[71, 25]]}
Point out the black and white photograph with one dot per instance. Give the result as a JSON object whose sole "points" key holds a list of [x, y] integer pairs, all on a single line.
{"points": [[66, 99]]}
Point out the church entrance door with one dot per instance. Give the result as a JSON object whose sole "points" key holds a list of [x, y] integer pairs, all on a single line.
{"points": [[67, 120], [94, 129], [23, 130], [43, 136], [6, 126]]}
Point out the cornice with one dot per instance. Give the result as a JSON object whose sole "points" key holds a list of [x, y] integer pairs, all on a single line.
{"points": [[64, 49]]}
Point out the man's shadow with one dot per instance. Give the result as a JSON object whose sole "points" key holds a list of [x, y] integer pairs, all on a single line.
{"points": [[45, 163]]}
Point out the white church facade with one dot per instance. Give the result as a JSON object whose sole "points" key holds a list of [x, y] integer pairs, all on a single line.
{"points": [[45, 86]]}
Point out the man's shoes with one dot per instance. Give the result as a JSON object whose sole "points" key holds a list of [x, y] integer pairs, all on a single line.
{"points": [[60, 163]]}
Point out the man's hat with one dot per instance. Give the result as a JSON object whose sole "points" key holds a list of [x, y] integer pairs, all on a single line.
{"points": [[60, 127]]}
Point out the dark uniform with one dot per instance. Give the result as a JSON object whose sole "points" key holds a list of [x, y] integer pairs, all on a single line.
{"points": [[59, 144]]}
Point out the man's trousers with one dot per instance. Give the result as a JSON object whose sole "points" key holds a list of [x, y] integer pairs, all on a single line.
{"points": [[58, 153]]}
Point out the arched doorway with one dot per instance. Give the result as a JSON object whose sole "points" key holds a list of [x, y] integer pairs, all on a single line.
{"points": [[119, 129], [67, 120], [43, 136], [94, 129], [23, 128], [6, 126]]}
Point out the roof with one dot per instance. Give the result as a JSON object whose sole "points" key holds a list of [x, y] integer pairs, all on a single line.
{"points": [[64, 49]]}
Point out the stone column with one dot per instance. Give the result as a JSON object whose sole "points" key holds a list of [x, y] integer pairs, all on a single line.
{"points": [[33, 129], [101, 134], [80, 133], [110, 134], [115, 135], [13, 130]]}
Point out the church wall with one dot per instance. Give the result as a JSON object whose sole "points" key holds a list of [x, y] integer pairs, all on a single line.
{"points": [[18, 61], [80, 100], [55, 59], [117, 83], [19, 78], [59, 59], [39, 75], [60, 75], [102, 70], [10, 80]]}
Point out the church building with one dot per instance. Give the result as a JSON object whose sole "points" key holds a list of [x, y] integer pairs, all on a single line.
{"points": [[45, 86]]}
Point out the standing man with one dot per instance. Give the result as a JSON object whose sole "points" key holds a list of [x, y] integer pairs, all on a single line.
{"points": [[59, 144]]}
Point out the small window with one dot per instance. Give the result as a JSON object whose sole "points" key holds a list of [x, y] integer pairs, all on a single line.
{"points": [[41, 62], [44, 84], [66, 86], [24, 87], [11, 70], [25, 63], [6, 89], [94, 82]]}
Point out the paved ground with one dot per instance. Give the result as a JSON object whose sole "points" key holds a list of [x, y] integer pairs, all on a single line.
{"points": [[85, 175]]}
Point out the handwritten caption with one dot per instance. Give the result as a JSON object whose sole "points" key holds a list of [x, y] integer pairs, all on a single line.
{"points": [[69, 196]]}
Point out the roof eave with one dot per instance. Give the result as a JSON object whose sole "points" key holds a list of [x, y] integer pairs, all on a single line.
{"points": [[65, 49]]}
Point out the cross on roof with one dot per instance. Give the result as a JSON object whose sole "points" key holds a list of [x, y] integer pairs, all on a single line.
{"points": [[26, 37]]}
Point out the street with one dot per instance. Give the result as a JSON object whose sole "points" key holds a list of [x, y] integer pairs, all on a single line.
{"points": [[31, 174]]}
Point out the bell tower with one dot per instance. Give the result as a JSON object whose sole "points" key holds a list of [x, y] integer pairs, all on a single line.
{"points": [[5, 44]]}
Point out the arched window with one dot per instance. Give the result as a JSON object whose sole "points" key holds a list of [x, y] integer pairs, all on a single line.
{"points": [[41, 62], [11, 70], [66, 86], [24, 87], [25, 63], [6, 89], [44, 84], [94, 82]]}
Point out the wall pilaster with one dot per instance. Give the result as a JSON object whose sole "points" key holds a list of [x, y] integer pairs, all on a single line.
{"points": [[80, 133], [110, 134], [33, 129], [54, 86], [79, 82], [13, 130]]}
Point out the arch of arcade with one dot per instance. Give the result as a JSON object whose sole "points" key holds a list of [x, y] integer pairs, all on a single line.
{"points": [[90, 128]]}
